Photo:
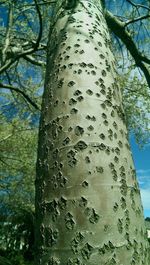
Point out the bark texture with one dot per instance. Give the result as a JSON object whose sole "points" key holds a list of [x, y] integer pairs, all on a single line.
{"points": [[88, 205]]}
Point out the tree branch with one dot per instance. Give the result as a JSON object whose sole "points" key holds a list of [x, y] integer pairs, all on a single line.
{"points": [[6, 86], [32, 60], [40, 25], [6, 137], [7, 37], [42, 46], [118, 28], [138, 5], [4, 162], [36, 45], [19, 53], [136, 19], [7, 65]]}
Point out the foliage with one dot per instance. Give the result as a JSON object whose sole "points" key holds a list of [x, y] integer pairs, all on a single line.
{"points": [[18, 142], [147, 221], [16, 260], [17, 240]]}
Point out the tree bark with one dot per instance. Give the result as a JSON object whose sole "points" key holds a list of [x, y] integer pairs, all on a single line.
{"points": [[88, 205]]}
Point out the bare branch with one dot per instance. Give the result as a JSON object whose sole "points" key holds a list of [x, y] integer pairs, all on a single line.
{"points": [[144, 59], [136, 19], [6, 137], [41, 26], [36, 45], [32, 60], [138, 5], [23, 53], [2, 161], [16, 89], [7, 65], [7, 37], [42, 46], [118, 28]]}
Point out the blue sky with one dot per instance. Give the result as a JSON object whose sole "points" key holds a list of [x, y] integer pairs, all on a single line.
{"points": [[142, 165]]}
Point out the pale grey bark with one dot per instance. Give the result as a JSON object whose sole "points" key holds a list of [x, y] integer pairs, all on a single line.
{"points": [[88, 205]]}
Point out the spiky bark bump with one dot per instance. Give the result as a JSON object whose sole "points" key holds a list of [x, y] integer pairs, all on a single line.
{"points": [[88, 205]]}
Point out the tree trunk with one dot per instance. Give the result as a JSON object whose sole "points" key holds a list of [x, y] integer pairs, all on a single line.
{"points": [[88, 205]]}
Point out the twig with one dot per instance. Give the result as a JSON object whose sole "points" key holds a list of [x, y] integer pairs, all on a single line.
{"points": [[22, 93], [32, 60], [6, 137], [136, 19], [138, 5], [7, 65]]}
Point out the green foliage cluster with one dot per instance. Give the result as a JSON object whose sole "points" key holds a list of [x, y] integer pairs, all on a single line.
{"points": [[17, 238], [18, 144]]}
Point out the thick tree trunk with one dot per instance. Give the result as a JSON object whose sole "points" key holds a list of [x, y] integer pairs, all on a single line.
{"points": [[88, 206]]}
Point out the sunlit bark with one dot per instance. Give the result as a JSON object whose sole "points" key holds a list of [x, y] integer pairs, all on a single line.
{"points": [[88, 206]]}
